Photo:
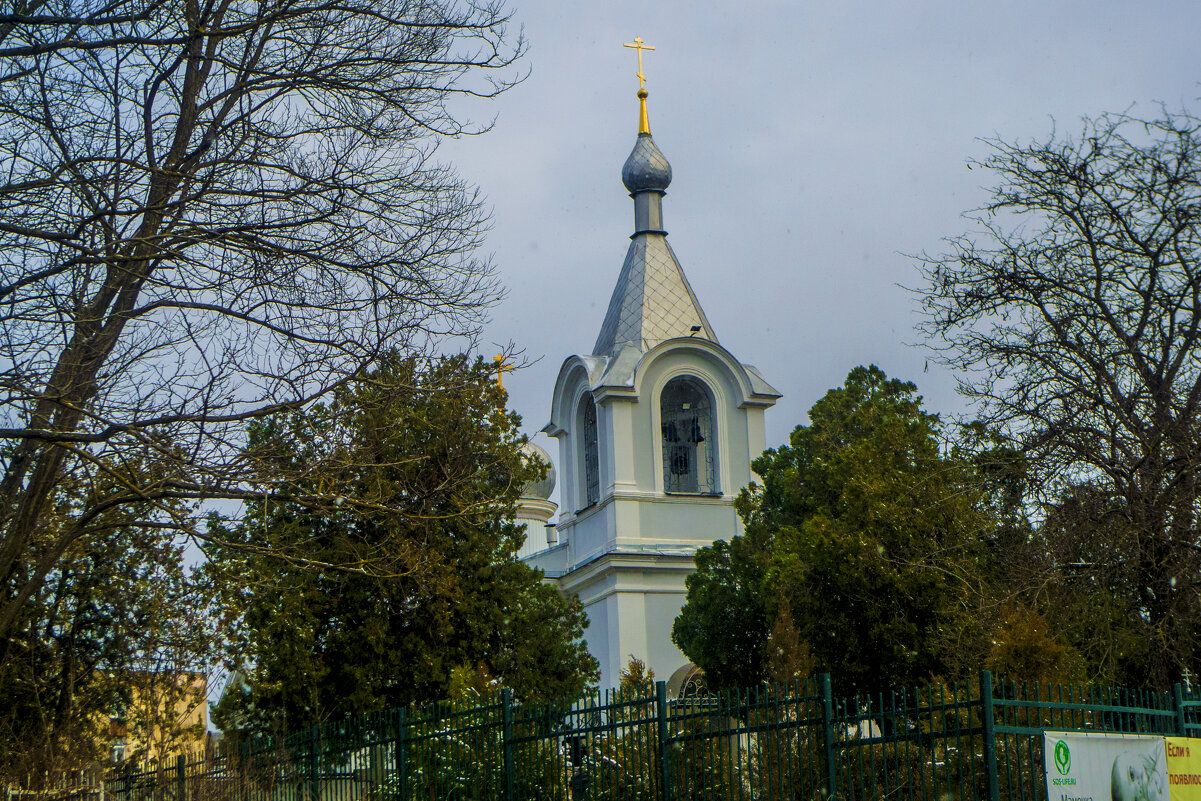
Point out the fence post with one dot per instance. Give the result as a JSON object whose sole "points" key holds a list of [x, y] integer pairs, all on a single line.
{"points": [[988, 724], [181, 787], [828, 735], [402, 768], [506, 700], [314, 782], [664, 742], [1178, 702]]}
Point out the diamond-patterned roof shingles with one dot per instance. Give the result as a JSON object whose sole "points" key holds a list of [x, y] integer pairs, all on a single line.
{"points": [[652, 301], [646, 168]]}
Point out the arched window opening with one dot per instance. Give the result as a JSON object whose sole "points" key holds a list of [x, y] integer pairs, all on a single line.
{"points": [[589, 451], [689, 445], [695, 685], [688, 684]]}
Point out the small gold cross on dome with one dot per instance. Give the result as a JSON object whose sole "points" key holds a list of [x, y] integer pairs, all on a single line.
{"points": [[639, 46], [502, 367]]}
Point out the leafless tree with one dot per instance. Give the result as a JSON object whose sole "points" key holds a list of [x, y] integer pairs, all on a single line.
{"points": [[1074, 317], [211, 210]]}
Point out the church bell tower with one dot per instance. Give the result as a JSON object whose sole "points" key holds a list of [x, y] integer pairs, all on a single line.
{"points": [[657, 428]]}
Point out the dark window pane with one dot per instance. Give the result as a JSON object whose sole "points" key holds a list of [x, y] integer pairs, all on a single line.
{"points": [[689, 446], [591, 455]]}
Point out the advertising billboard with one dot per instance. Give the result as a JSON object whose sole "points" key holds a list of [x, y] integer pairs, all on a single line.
{"points": [[1184, 768], [1105, 767]]}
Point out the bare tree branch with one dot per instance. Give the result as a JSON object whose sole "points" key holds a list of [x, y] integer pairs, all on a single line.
{"points": [[1075, 317], [211, 212]]}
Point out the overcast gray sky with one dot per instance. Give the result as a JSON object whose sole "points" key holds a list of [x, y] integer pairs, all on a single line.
{"points": [[812, 144]]}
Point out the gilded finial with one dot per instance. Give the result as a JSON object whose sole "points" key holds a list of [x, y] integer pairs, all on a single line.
{"points": [[644, 125], [502, 367], [639, 46]]}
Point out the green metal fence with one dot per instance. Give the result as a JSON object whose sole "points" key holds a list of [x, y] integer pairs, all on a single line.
{"points": [[974, 740]]}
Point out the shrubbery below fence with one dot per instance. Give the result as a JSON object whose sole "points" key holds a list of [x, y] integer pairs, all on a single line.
{"points": [[956, 742]]}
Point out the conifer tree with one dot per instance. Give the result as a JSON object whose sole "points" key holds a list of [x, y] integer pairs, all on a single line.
{"points": [[429, 468], [865, 527]]}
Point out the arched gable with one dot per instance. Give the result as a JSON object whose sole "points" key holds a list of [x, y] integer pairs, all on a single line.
{"points": [[746, 386], [576, 375], [579, 464]]}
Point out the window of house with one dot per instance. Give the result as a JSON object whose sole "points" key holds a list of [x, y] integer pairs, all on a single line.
{"points": [[689, 444], [590, 451]]}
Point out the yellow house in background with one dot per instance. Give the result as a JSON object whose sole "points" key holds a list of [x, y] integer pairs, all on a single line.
{"points": [[164, 714]]}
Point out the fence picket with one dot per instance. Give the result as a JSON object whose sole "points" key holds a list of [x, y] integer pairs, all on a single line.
{"points": [[989, 734], [664, 740]]}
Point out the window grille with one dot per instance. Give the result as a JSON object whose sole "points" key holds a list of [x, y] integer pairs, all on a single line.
{"points": [[689, 445], [591, 455], [695, 685]]}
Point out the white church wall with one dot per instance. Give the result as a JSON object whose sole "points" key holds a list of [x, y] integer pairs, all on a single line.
{"points": [[590, 533], [662, 610], [609, 449], [626, 450], [600, 637], [686, 521], [631, 602], [631, 636], [552, 562], [533, 514]]}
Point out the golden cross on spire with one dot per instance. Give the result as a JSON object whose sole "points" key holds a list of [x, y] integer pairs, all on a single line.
{"points": [[502, 367], [639, 46]]}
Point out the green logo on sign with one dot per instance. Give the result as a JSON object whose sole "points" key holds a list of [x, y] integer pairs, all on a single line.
{"points": [[1063, 757]]}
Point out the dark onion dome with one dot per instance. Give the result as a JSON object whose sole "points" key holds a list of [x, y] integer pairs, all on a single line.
{"points": [[646, 170], [539, 489]]}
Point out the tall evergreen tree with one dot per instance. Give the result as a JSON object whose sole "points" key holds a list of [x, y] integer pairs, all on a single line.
{"points": [[420, 575], [868, 530]]}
